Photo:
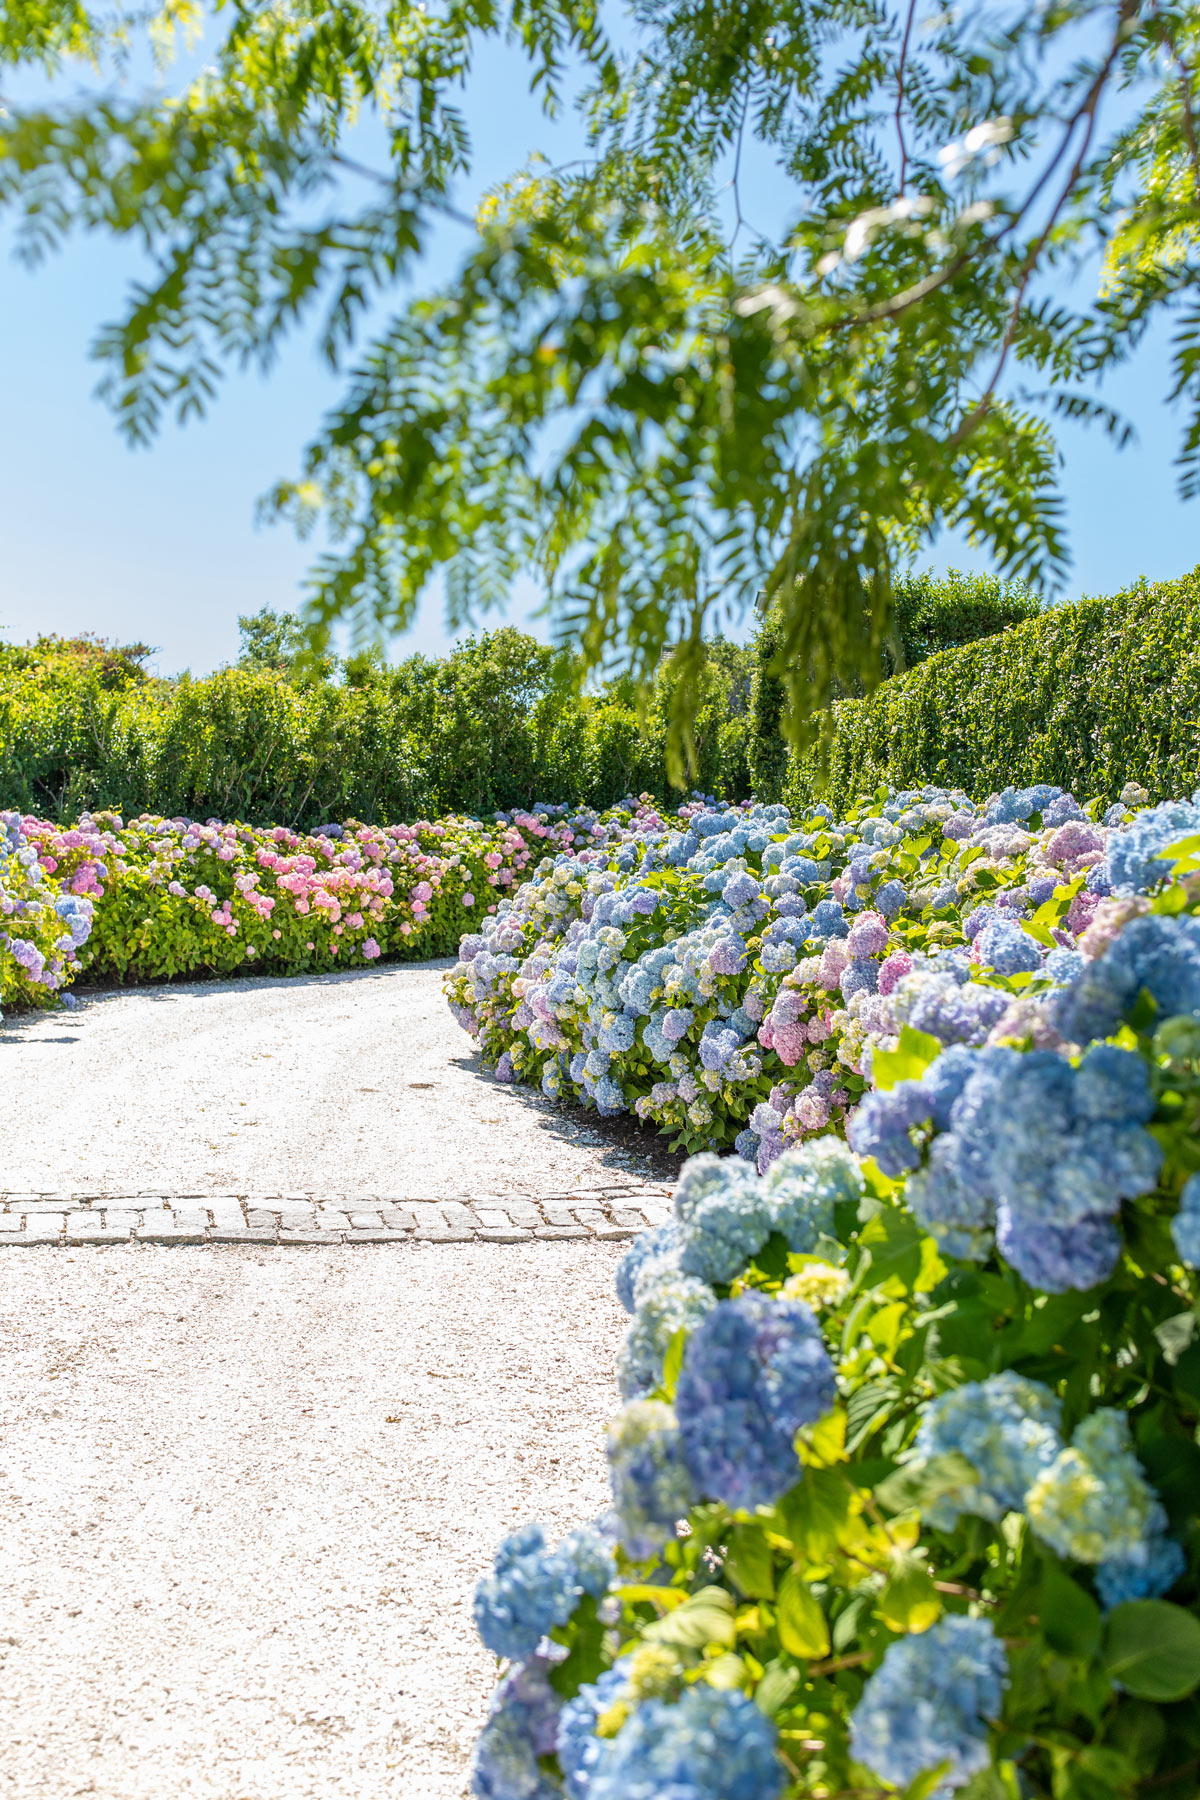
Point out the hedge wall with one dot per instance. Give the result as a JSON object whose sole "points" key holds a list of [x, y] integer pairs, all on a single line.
{"points": [[1088, 695], [492, 726]]}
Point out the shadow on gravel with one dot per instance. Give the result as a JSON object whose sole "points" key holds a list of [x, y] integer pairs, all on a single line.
{"points": [[626, 1145]]}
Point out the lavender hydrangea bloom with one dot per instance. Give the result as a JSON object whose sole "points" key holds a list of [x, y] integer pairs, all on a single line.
{"points": [[521, 1726], [650, 1481], [741, 888], [1006, 1427], [1056, 1258], [891, 899], [711, 1744], [953, 1011], [881, 1126], [1003, 946], [928, 1704], [754, 1371]]}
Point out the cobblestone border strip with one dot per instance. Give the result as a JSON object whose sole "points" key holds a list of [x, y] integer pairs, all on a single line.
{"points": [[62, 1219]]}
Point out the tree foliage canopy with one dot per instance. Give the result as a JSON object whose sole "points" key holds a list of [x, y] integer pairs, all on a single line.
{"points": [[628, 386]]}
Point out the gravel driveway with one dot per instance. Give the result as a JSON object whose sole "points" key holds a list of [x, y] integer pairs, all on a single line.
{"points": [[245, 1494], [347, 1084]]}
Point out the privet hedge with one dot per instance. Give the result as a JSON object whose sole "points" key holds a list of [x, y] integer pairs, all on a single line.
{"points": [[1088, 696]]}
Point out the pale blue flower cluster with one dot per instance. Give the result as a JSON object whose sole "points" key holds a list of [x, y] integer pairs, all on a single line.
{"points": [[651, 1486], [929, 1703], [1043, 1151], [579, 1749], [1158, 953], [754, 1371], [710, 1744], [532, 1589], [1185, 1226], [1093, 1502], [665, 1301], [1132, 863], [1007, 1428]]}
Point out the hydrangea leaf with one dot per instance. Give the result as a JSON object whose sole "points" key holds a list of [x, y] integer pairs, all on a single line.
{"points": [[803, 1630], [749, 1562], [917, 1483], [1070, 1618], [705, 1618], [1152, 1650], [908, 1061]]}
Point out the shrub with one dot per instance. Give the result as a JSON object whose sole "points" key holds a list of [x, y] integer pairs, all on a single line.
{"points": [[1088, 696], [275, 741], [931, 613], [907, 1484]]}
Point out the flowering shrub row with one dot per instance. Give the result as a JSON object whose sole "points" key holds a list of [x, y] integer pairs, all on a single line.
{"points": [[147, 898], [733, 976], [906, 1485]]}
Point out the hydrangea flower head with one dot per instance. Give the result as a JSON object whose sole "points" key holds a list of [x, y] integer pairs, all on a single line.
{"points": [[1185, 1226], [710, 1744], [662, 1240], [804, 1184], [1006, 1427], [929, 1703], [532, 1589], [754, 1371], [1093, 1502], [651, 1485], [667, 1301]]}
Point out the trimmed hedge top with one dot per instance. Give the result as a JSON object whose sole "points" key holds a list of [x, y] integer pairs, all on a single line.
{"points": [[1088, 696]]}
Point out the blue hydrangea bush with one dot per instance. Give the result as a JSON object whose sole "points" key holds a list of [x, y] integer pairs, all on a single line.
{"points": [[906, 1479], [731, 974]]}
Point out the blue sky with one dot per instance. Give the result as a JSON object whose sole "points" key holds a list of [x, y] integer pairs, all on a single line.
{"points": [[161, 545]]}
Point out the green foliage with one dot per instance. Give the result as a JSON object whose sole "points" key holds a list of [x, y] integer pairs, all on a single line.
{"points": [[499, 723], [1089, 696], [932, 612], [626, 387]]}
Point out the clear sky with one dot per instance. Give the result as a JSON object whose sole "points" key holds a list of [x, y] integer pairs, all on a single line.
{"points": [[161, 545]]}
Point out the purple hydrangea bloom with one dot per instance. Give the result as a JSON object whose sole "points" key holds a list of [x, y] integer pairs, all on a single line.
{"points": [[754, 1371], [521, 1727], [881, 1126], [1003, 946], [1056, 1258]]}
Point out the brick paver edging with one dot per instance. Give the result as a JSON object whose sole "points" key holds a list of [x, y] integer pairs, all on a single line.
{"points": [[28, 1219]]}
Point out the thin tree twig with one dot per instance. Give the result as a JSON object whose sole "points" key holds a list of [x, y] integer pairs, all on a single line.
{"points": [[1087, 112], [908, 25]]}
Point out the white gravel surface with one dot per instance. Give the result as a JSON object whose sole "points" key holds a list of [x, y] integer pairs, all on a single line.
{"points": [[244, 1493], [349, 1084]]}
